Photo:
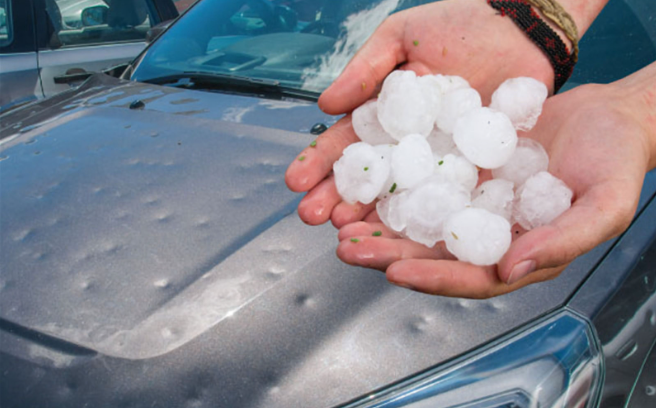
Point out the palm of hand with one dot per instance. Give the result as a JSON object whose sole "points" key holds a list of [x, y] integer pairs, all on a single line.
{"points": [[472, 41], [593, 148], [455, 37]]}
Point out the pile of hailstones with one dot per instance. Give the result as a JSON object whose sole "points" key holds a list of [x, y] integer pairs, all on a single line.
{"points": [[422, 141]]}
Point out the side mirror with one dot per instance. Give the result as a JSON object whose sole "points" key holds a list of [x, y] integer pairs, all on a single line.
{"points": [[94, 16], [157, 30], [288, 18]]}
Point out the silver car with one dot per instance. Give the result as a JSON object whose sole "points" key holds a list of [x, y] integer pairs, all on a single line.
{"points": [[47, 45], [151, 255]]}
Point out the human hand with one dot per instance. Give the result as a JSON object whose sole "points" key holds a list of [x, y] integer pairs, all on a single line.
{"points": [[597, 144], [455, 37]]}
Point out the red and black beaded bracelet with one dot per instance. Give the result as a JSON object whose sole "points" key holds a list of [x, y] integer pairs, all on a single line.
{"points": [[541, 34]]}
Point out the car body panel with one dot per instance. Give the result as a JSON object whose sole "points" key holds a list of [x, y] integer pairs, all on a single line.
{"points": [[19, 73], [165, 237], [56, 63], [22, 72], [620, 300], [152, 256]]}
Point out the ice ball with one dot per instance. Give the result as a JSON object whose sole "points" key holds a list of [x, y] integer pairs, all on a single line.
{"points": [[486, 137], [521, 99], [386, 151], [477, 236], [456, 169], [540, 200], [361, 173], [529, 158], [495, 196], [441, 143], [456, 104], [367, 126], [442, 84], [428, 206], [412, 161], [391, 211], [405, 106]]}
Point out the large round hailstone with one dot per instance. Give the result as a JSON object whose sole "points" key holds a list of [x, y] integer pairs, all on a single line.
{"points": [[405, 106], [455, 104], [441, 143], [443, 84], [540, 200], [477, 236], [495, 196], [521, 99], [486, 137], [386, 151], [361, 173], [391, 211], [529, 158], [367, 126], [428, 206], [456, 169], [412, 161]]}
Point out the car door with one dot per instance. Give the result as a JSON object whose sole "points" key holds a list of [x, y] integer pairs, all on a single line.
{"points": [[19, 74], [91, 35]]}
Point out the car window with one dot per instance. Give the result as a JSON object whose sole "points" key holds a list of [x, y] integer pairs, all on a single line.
{"points": [[305, 44], [6, 33], [87, 22]]}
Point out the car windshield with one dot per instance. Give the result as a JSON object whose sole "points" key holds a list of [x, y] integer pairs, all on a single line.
{"points": [[301, 44], [305, 44]]}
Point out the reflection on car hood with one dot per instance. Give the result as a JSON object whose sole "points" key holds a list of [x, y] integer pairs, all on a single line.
{"points": [[156, 252]]}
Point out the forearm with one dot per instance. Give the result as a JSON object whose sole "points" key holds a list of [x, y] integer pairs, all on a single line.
{"points": [[638, 95]]}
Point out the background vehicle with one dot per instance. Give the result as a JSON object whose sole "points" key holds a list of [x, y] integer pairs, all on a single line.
{"points": [[46, 44], [152, 256]]}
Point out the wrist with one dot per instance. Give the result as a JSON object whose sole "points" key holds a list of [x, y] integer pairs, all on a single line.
{"points": [[583, 12], [552, 28], [636, 94], [570, 41], [524, 15]]}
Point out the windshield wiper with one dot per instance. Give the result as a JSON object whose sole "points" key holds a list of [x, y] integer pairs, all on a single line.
{"points": [[230, 82]]}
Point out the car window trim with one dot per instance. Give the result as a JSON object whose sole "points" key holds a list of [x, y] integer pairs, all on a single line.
{"points": [[9, 23], [23, 41]]}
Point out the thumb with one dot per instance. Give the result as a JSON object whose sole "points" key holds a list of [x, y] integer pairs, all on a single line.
{"points": [[593, 219], [368, 68]]}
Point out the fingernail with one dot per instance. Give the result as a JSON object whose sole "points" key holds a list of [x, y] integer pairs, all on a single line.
{"points": [[520, 270]]}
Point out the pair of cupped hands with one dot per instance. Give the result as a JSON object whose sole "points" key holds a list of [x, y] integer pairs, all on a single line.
{"points": [[595, 144]]}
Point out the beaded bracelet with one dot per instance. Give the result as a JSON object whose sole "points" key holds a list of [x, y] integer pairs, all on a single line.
{"points": [[521, 12]]}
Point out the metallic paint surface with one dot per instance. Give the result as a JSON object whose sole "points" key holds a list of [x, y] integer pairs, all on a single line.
{"points": [[620, 299], [19, 76], [54, 63], [154, 258]]}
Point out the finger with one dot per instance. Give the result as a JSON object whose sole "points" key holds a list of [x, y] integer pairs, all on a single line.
{"points": [[314, 163], [378, 57], [357, 229], [593, 218], [380, 252], [317, 205], [457, 279], [373, 217], [345, 213]]}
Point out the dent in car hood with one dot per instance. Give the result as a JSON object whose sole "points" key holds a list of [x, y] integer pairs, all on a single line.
{"points": [[164, 239]]}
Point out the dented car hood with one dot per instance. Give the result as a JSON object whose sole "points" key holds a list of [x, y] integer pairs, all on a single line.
{"points": [[151, 254]]}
